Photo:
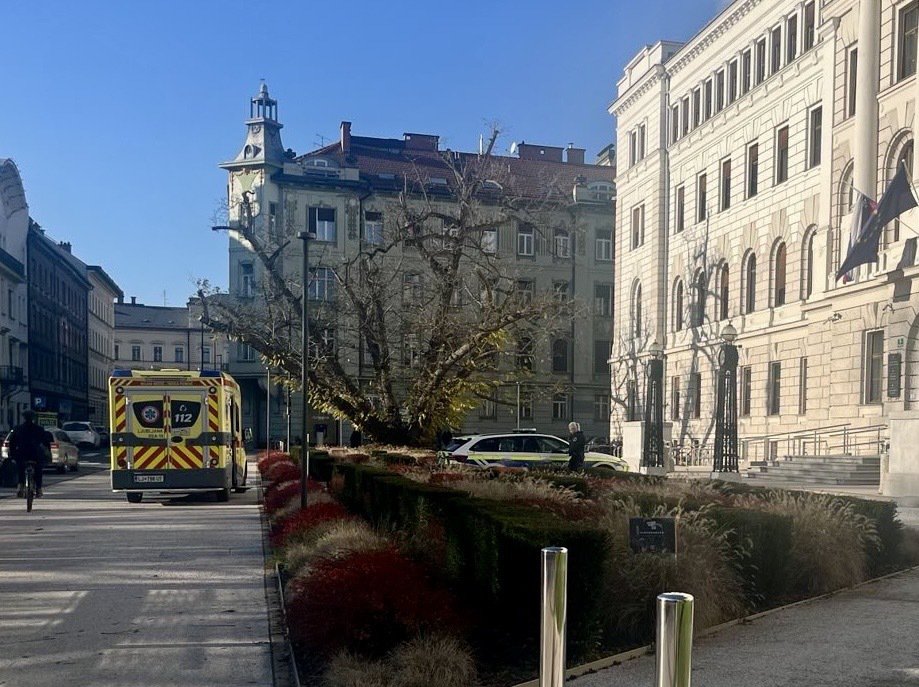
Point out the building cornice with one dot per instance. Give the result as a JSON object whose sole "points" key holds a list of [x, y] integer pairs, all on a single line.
{"points": [[651, 78], [712, 32]]}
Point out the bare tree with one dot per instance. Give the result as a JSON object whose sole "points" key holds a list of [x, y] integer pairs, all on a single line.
{"points": [[409, 331]]}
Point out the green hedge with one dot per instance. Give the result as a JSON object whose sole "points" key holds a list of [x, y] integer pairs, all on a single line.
{"points": [[321, 463], [493, 552]]}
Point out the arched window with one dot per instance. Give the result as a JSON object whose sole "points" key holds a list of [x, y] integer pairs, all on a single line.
{"points": [[636, 311], [845, 202], [700, 287], [749, 284], [904, 159], [560, 355], [724, 292], [807, 263], [678, 305], [778, 275]]}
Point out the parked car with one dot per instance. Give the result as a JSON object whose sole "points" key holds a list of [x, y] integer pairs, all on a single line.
{"points": [[82, 434], [103, 435], [64, 453], [525, 450]]}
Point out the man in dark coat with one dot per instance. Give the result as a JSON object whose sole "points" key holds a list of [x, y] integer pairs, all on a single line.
{"points": [[576, 447], [30, 441]]}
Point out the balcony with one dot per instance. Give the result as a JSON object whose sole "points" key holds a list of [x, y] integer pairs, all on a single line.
{"points": [[10, 375]]}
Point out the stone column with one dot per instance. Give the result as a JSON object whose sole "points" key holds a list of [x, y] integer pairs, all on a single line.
{"points": [[866, 98]]}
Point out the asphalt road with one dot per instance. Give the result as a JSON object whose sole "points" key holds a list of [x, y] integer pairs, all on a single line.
{"points": [[98, 592]]}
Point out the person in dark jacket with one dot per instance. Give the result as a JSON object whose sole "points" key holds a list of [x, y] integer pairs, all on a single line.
{"points": [[356, 438], [576, 447], [30, 441]]}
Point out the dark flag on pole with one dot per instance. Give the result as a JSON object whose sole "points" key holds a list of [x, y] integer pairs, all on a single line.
{"points": [[897, 199]]}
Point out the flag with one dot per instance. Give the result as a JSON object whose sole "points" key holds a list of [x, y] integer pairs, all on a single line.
{"points": [[897, 199], [862, 209]]}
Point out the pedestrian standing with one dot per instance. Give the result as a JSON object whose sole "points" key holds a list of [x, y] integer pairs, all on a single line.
{"points": [[576, 447]]}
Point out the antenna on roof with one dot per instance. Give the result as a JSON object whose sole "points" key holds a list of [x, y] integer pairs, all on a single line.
{"points": [[322, 139], [513, 149], [164, 298], [481, 144]]}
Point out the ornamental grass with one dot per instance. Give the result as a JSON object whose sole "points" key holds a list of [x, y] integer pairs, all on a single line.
{"points": [[340, 539]]}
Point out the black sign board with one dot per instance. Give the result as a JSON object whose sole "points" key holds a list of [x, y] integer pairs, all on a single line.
{"points": [[894, 362], [652, 535]]}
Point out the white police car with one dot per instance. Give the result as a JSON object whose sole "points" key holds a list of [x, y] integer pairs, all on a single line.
{"points": [[525, 449]]}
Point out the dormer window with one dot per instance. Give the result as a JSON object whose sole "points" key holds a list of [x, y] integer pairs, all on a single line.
{"points": [[601, 190], [316, 162]]}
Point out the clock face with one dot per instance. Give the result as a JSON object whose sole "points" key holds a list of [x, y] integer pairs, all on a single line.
{"points": [[256, 128]]}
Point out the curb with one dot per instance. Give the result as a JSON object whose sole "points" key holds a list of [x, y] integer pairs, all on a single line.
{"points": [[295, 672], [648, 649]]}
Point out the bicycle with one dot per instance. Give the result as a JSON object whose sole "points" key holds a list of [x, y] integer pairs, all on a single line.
{"points": [[29, 487]]}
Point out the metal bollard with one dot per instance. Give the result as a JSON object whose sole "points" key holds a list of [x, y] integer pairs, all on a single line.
{"points": [[673, 657], [554, 616]]}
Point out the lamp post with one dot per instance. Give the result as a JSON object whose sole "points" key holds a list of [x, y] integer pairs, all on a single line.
{"points": [[726, 457], [518, 405], [267, 410], [652, 454], [305, 419]]}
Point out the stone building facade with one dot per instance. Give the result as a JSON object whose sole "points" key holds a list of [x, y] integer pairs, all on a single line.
{"points": [[738, 153], [342, 192], [101, 341]]}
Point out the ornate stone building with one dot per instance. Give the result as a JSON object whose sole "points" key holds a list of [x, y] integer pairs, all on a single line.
{"points": [[738, 153]]}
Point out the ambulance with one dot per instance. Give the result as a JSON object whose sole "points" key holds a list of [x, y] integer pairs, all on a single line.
{"points": [[176, 431]]}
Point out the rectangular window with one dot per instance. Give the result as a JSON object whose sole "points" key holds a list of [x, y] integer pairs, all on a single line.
{"points": [[732, 82], [791, 40], [373, 228], [810, 23], [746, 388], [695, 392], [135, 353], [746, 71], [524, 290], [696, 108], [273, 218], [641, 141], [488, 409], [674, 123], [680, 209], [726, 184], [633, 147], [247, 280], [560, 290], [562, 244], [776, 50], [906, 43], [526, 406], [411, 353], [157, 354], [601, 356], [117, 352], [815, 133], [604, 247], [675, 398], [874, 366], [719, 90], [802, 386], [525, 239], [560, 407], [760, 73], [206, 355], [684, 106], [752, 170], [601, 407], [638, 226], [180, 355], [708, 99], [701, 198], [852, 82], [411, 288], [781, 155], [774, 391], [490, 241], [603, 300], [322, 284], [322, 224]]}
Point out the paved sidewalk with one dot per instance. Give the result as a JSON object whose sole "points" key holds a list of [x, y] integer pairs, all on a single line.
{"points": [[867, 637]]}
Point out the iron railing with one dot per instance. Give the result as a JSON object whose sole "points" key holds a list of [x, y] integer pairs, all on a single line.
{"points": [[841, 439]]}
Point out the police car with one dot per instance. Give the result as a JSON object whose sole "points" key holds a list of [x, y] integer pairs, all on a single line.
{"points": [[525, 449]]}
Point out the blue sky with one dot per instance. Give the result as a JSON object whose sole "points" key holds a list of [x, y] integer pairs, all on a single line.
{"points": [[118, 113]]}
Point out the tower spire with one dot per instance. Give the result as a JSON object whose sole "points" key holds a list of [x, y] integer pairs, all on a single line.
{"points": [[263, 138]]}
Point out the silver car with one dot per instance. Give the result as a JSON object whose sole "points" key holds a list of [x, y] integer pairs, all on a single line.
{"points": [[526, 449], [64, 453], [82, 434]]}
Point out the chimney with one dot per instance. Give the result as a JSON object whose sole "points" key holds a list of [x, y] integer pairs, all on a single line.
{"points": [[346, 138], [65, 245], [574, 156], [133, 300]]}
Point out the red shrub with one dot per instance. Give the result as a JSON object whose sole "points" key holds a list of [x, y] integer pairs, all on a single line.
{"points": [[305, 520], [279, 494], [267, 460], [282, 471], [367, 602]]}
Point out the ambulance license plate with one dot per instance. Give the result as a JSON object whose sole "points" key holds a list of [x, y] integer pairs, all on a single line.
{"points": [[148, 478]]}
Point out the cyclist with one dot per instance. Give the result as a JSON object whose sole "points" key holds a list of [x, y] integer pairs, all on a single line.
{"points": [[29, 441]]}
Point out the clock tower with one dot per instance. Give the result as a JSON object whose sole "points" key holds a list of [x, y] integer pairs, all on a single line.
{"points": [[263, 138]]}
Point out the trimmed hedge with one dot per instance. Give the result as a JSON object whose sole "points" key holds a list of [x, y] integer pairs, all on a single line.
{"points": [[321, 463], [493, 551]]}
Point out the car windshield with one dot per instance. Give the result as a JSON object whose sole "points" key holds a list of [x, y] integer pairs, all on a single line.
{"points": [[75, 427]]}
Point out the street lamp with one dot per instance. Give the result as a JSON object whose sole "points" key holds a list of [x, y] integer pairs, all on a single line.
{"points": [[726, 456], [652, 455], [305, 417]]}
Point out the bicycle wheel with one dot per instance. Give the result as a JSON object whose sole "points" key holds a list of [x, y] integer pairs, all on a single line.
{"points": [[29, 488]]}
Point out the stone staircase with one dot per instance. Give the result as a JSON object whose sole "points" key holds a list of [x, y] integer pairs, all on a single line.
{"points": [[818, 471]]}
